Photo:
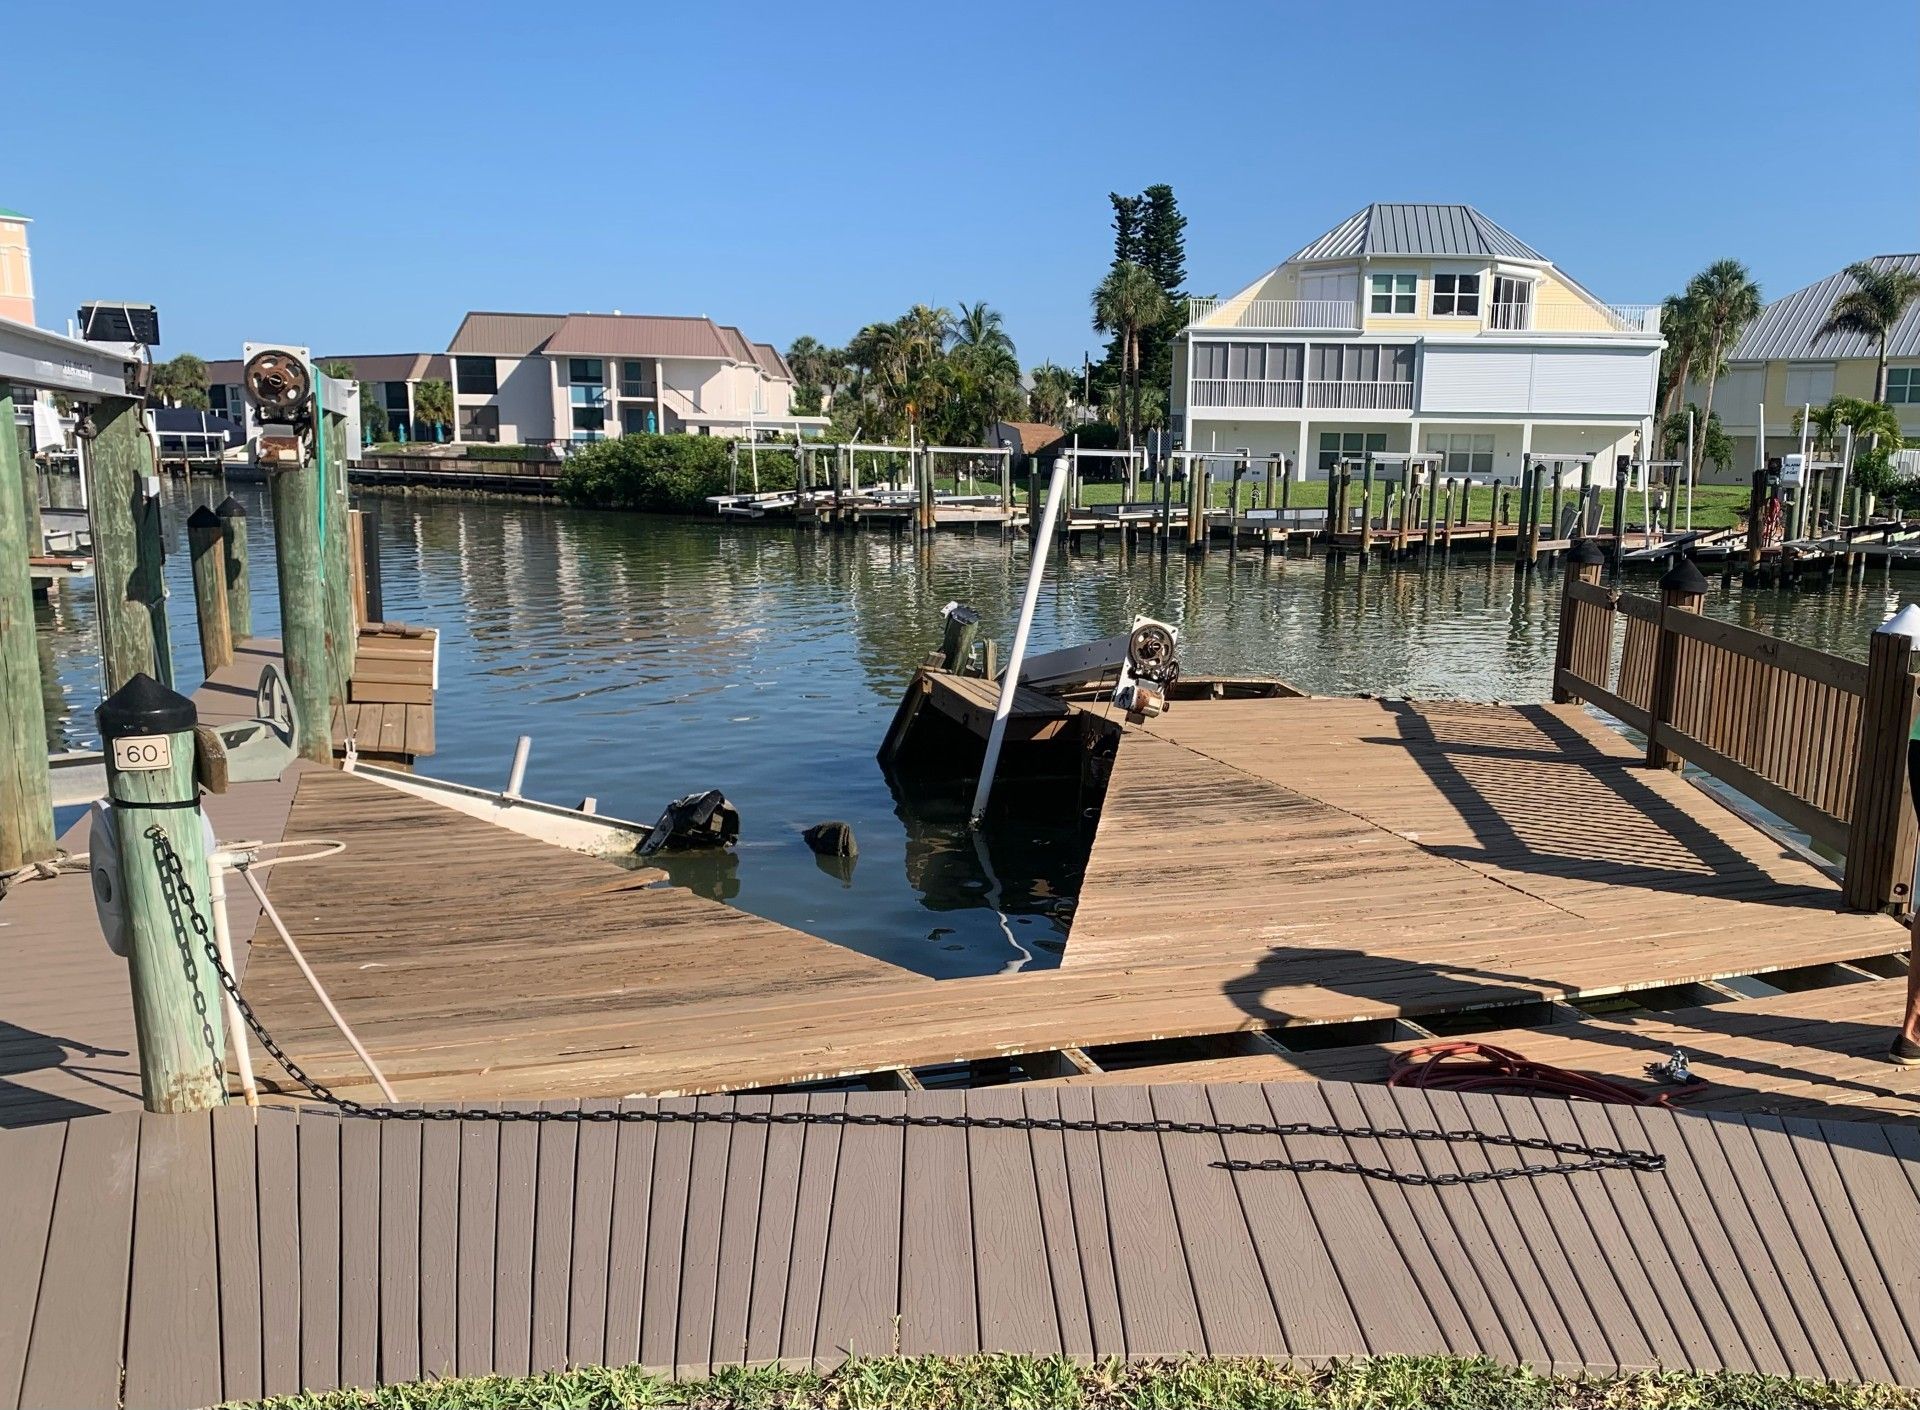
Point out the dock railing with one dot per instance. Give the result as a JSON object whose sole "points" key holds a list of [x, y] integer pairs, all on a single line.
{"points": [[1816, 739]]}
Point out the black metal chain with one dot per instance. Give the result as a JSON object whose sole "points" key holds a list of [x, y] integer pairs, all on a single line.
{"points": [[1584, 1159]]}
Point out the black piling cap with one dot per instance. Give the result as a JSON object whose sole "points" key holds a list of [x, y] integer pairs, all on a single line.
{"points": [[231, 508], [203, 518], [144, 706], [1586, 551], [1684, 576]]}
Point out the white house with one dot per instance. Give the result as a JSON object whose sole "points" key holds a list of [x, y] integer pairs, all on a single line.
{"points": [[1416, 328], [532, 377]]}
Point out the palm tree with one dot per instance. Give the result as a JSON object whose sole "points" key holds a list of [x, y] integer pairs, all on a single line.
{"points": [[1680, 324], [1127, 302], [979, 326], [1726, 300], [1052, 395], [1872, 307]]}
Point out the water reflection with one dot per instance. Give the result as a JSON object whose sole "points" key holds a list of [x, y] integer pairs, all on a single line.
{"points": [[653, 658]]}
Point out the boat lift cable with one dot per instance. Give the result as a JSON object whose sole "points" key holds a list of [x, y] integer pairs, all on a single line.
{"points": [[1568, 1157]]}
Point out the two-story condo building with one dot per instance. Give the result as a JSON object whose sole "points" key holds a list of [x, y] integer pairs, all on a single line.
{"points": [[1781, 362], [1416, 328], [530, 377]]}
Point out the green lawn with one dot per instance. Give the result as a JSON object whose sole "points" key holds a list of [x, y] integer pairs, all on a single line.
{"points": [[1027, 1383], [1714, 506]]}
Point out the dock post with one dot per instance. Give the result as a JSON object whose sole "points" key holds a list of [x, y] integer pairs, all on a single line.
{"points": [[376, 606], [1433, 509], [206, 545], [1682, 589], [26, 800], [1574, 651], [1586, 494], [305, 631], [331, 440], [1880, 839], [957, 637], [1526, 507], [36, 536], [1366, 507], [1756, 504], [1446, 520], [127, 549], [148, 734], [1196, 519], [233, 539], [1233, 504], [1622, 475], [1033, 500], [1532, 554]]}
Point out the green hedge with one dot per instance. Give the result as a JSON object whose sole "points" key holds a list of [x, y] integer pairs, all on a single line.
{"points": [[665, 474]]}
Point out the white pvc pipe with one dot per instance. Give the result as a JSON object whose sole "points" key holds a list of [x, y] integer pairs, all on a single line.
{"points": [[1016, 657], [517, 775], [223, 944], [1689, 469]]}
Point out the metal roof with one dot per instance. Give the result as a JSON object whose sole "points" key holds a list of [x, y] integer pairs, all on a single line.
{"points": [[6, 214], [1386, 228], [771, 363], [1789, 327], [395, 367], [504, 334], [639, 335]]}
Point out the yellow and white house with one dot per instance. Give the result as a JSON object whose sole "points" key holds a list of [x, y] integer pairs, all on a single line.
{"points": [[1416, 328], [1782, 363], [16, 267]]}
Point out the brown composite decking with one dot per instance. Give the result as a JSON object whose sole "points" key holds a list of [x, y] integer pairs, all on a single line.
{"points": [[231, 1255], [1816, 1053], [1258, 864]]}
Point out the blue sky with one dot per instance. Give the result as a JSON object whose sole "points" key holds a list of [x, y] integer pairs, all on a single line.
{"points": [[356, 176]]}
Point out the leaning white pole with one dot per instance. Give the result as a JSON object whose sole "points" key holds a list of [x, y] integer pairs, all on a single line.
{"points": [[1010, 681], [1689, 469]]}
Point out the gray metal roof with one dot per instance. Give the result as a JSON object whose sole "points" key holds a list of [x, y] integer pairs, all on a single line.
{"points": [[1789, 327], [1390, 228]]}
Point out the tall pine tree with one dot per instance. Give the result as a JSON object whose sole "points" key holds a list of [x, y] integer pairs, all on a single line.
{"points": [[1148, 230]]}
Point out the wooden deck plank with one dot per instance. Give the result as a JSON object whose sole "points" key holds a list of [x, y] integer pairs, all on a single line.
{"points": [[1157, 1307], [1014, 1284], [666, 1236], [1237, 1304], [812, 1215], [739, 1234], [401, 1169], [237, 1233], [514, 1232], [1086, 1181], [359, 1252], [860, 1282], [554, 1185], [939, 1306], [479, 1216], [595, 1152], [1884, 1202], [633, 1176], [1058, 1227], [173, 1295], [440, 1269], [277, 1168], [774, 1232], [320, 1213], [30, 1172]]}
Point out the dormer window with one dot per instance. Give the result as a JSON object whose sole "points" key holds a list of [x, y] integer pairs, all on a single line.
{"points": [[1393, 293], [1456, 296]]}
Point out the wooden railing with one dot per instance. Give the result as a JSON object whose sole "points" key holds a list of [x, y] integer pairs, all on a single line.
{"points": [[1818, 740]]}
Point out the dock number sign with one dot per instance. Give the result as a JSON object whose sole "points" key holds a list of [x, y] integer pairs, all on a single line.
{"points": [[142, 753]]}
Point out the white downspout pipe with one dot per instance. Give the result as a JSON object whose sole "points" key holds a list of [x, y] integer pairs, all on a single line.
{"points": [[1016, 657]]}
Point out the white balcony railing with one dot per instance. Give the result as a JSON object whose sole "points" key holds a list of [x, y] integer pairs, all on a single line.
{"points": [[1318, 315], [1350, 396]]}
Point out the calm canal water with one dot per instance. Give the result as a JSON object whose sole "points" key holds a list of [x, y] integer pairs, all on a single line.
{"points": [[651, 657]]}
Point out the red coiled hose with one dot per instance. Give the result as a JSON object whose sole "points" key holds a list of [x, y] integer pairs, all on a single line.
{"points": [[1466, 1066]]}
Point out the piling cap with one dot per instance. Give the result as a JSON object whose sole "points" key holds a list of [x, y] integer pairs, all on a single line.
{"points": [[203, 518], [1586, 551], [1684, 576], [144, 706], [1905, 622], [231, 508]]}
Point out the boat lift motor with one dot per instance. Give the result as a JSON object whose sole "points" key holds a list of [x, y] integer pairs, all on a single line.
{"points": [[1149, 671]]}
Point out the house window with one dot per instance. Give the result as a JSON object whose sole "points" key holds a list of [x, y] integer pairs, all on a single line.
{"points": [[1209, 361], [476, 376], [585, 370], [587, 394], [1362, 362], [1467, 452], [1336, 444], [1393, 293], [636, 379], [1512, 304], [1809, 382], [636, 420], [480, 423], [1456, 296], [394, 398], [589, 423], [1903, 386], [217, 399]]}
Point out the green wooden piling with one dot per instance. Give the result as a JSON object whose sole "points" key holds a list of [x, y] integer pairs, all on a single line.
{"points": [[299, 560], [957, 638], [1586, 493], [29, 482], [1366, 506], [147, 732], [233, 538], [1622, 475], [338, 573], [26, 806], [205, 542], [127, 547]]}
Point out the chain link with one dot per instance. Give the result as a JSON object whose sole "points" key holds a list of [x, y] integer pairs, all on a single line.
{"points": [[1583, 1159]]}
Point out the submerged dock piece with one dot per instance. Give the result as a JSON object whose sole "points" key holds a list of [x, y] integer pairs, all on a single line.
{"points": [[832, 839], [697, 820]]}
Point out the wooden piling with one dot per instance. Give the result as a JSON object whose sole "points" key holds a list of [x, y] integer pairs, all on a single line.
{"points": [[1446, 519], [1196, 517], [147, 732], [1756, 506], [205, 544], [306, 645], [1586, 494], [36, 537], [374, 591], [1366, 505], [957, 637], [1622, 477], [126, 544], [1433, 509], [1582, 653], [233, 536], [1682, 589], [26, 806], [1881, 835], [341, 627]]}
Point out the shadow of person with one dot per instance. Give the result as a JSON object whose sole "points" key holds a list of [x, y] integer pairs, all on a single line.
{"points": [[1380, 986], [24, 1051]]}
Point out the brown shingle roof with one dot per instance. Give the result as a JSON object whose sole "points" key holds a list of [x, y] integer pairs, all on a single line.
{"points": [[224, 372], [637, 335], [394, 367], [504, 334], [771, 363], [1034, 435]]}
